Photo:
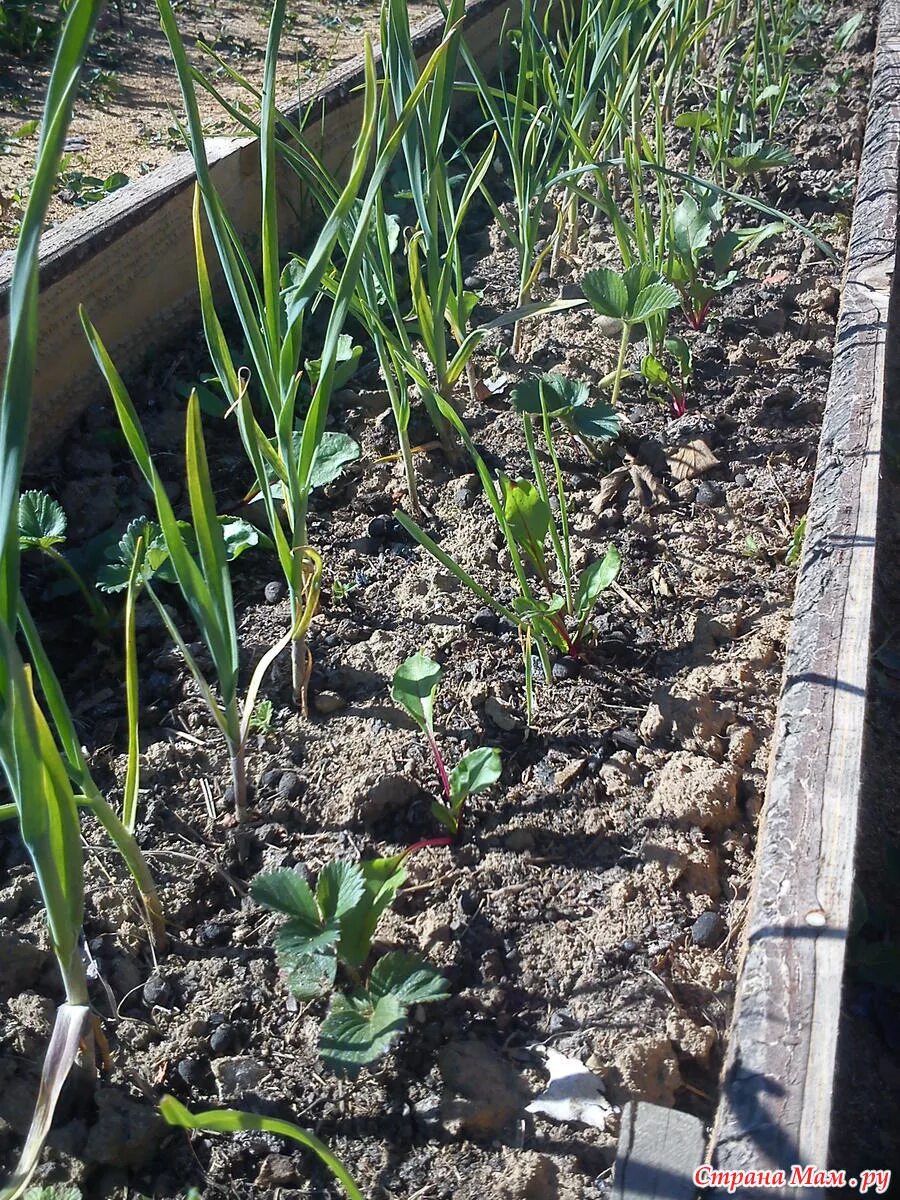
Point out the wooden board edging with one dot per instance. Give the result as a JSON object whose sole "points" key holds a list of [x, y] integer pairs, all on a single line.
{"points": [[130, 258], [775, 1109]]}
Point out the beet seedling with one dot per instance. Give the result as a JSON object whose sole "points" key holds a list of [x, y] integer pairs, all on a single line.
{"points": [[675, 383], [414, 687], [701, 254], [331, 930]]}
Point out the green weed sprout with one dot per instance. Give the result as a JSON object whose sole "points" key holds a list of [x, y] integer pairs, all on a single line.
{"points": [[42, 527], [331, 929], [229, 1120], [414, 687]]}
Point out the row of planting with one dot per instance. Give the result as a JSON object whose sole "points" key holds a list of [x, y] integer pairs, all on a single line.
{"points": [[593, 99]]}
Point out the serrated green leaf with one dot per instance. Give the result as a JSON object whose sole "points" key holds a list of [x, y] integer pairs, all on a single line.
{"points": [[597, 421], [355, 1032], [559, 392], [340, 886], [383, 878], [414, 686], [595, 580], [652, 301], [407, 978], [305, 951], [286, 892], [113, 577], [42, 522], [606, 292], [474, 772]]}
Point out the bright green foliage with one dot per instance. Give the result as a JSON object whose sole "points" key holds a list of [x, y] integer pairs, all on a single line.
{"points": [[156, 562], [42, 526], [475, 772], [636, 296], [701, 252], [632, 296], [333, 927], [42, 522], [568, 401], [272, 311], [229, 1120], [414, 688], [261, 717], [674, 381]]}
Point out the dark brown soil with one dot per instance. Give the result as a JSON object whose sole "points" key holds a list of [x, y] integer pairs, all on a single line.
{"points": [[594, 904]]}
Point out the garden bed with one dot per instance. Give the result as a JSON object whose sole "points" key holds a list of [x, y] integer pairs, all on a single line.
{"points": [[595, 904]]}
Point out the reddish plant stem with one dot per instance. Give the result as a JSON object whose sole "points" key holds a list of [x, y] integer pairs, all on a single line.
{"points": [[439, 763], [426, 842]]}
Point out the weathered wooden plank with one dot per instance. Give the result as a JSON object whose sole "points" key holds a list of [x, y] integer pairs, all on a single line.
{"points": [[777, 1096], [659, 1150], [130, 258]]}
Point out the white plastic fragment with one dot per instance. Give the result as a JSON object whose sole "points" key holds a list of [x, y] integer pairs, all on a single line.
{"points": [[574, 1093]]}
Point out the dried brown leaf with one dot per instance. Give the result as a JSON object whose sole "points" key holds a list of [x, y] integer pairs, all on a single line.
{"points": [[687, 462]]}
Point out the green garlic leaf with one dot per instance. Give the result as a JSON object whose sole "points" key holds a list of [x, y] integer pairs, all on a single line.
{"points": [[42, 522], [407, 978], [474, 772], [356, 1032], [286, 892], [339, 889], [414, 686]]}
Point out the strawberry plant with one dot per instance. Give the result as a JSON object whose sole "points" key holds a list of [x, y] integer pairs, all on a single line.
{"points": [[326, 946], [42, 526], [569, 402], [635, 297], [414, 687]]}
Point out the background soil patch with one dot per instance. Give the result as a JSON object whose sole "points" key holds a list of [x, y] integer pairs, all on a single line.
{"points": [[125, 117]]}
